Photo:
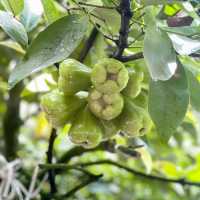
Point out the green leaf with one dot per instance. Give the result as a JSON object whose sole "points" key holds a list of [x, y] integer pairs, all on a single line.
{"points": [[157, 2], [159, 54], [171, 10], [151, 12], [4, 5], [190, 10], [13, 45], [108, 24], [168, 102], [30, 17], [50, 10], [146, 158], [188, 31], [184, 45], [191, 64], [16, 6], [193, 173], [194, 89], [13, 28], [52, 45]]}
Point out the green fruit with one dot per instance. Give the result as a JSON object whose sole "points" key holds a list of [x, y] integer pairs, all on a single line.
{"points": [[142, 99], [109, 129], [130, 121], [109, 76], [73, 77], [147, 123], [85, 130], [60, 109], [133, 87], [105, 106]]}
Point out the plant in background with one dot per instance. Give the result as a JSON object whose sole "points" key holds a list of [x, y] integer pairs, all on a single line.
{"points": [[11, 187]]}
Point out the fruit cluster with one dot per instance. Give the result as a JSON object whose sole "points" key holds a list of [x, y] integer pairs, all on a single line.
{"points": [[108, 107]]}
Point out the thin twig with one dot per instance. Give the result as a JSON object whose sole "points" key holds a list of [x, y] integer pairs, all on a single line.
{"points": [[49, 153], [92, 178], [128, 151], [134, 21], [140, 55], [78, 150], [96, 6], [136, 38], [138, 9], [181, 181], [89, 14]]}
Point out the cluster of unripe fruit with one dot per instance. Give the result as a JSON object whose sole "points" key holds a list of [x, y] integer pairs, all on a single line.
{"points": [[107, 109]]}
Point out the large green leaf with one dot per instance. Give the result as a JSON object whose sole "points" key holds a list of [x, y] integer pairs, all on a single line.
{"points": [[168, 102], [52, 45], [50, 10], [13, 28], [159, 54]]}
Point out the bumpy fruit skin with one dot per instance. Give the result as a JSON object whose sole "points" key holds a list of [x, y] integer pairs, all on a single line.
{"points": [[73, 77], [133, 87], [109, 129], [105, 106], [130, 121], [85, 130], [60, 109], [109, 76]]}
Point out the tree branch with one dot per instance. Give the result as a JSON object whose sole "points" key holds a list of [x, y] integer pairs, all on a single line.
{"points": [[195, 55], [181, 181], [90, 179], [126, 15], [78, 150], [96, 6], [49, 153], [140, 55], [135, 56], [12, 122], [89, 43], [128, 169]]}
